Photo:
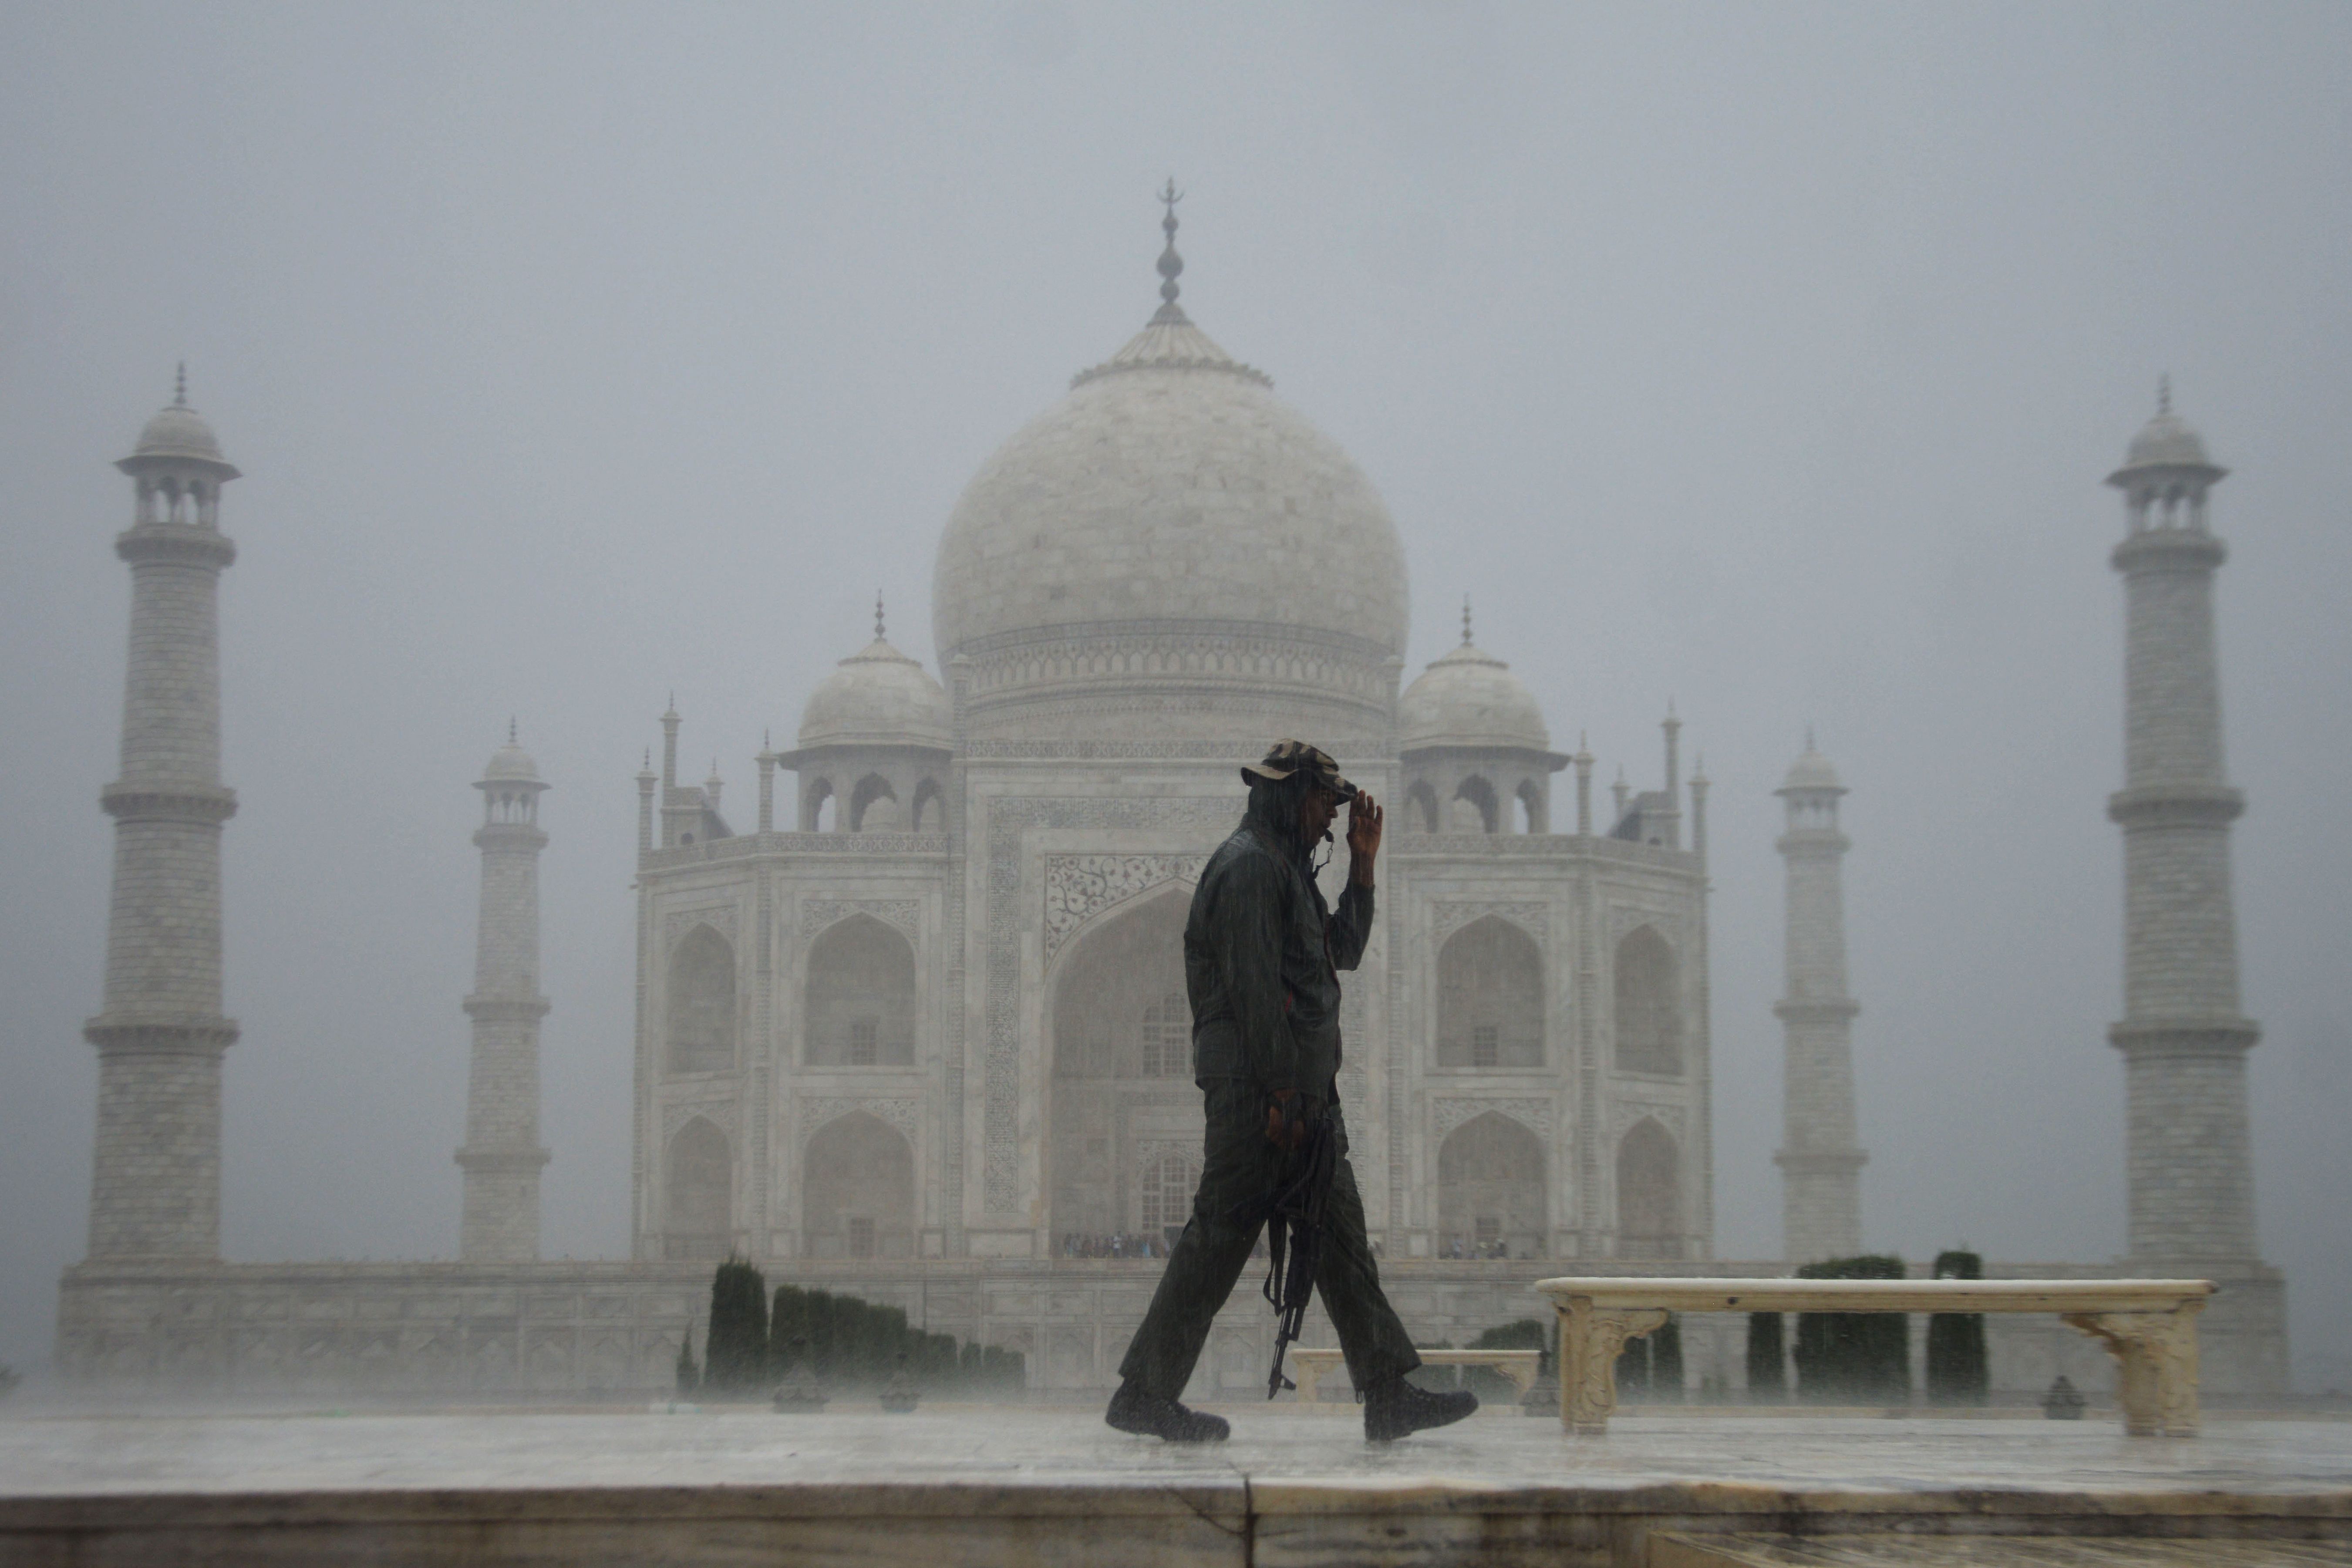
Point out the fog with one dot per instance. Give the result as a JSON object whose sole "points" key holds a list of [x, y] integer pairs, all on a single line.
{"points": [[1764, 358]]}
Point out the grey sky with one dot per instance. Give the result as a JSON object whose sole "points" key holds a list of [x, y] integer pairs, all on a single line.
{"points": [[1765, 357]]}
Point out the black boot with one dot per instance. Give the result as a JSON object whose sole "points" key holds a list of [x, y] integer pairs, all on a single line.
{"points": [[1397, 1407], [1148, 1415]]}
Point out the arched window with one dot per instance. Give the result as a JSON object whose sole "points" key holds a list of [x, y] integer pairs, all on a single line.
{"points": [[1168, 1038], [702, 992], [858, 1182], [1490, 1190], [700, 1190], [1423, 801], [1490, 997], [818, 806], [1473, 806], [1649, 1015], [874, 806], [1121, 1042], [861, 997], [1168, 1183], [1649, 1193], [929, 810], [1530, 814]]}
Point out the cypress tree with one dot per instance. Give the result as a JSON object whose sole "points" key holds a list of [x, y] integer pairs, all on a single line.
{"points": [[689, 1376], [1666, 1361], [1767, 1365], [736, 1358], [1854, 1357], [1633, 1371], [1959, 1372]]}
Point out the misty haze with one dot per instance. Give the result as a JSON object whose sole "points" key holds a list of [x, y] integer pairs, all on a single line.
{"points": [[693, 585]]}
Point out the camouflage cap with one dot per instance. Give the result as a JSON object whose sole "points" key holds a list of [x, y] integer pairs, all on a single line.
{"points": [[1289, 757]]}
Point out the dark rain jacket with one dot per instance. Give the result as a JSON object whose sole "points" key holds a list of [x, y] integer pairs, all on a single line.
{"points": [[1261, 957]]}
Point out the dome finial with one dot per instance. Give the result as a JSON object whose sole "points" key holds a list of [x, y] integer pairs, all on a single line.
{"points": [[1171, 265], [180, 387], [510, 729], [2164, 392], [1808, 739], [1465, 620], [877, 616]]}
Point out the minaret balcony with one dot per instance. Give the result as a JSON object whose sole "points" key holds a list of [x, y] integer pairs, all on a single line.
{"points": [[167, 802], [2176, 805], [177, 544]]}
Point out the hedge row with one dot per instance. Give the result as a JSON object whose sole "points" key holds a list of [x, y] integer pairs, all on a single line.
{"points": [[848, 1343]]}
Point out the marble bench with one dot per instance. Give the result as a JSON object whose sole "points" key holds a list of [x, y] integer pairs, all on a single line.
{"points": [[2149, 1325], [1313, 1364]]}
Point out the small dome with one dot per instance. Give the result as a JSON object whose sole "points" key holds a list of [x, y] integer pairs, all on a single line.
{"points": [[178, 431], [1811, 770], [879, 697], [2169, 441], [510, 764], [1470, 698]]}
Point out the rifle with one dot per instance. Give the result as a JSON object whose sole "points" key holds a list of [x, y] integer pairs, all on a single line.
{"points": [[1294, 1233]]}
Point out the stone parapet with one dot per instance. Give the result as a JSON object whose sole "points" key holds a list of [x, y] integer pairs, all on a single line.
{"points": [[207, 804], [569, 1329], [175, 545]]}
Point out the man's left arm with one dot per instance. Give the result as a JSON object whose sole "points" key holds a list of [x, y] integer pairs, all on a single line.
{"points": [[1352, 922]]}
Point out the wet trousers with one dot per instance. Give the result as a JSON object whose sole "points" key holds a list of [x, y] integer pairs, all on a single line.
{"points": [[1238, 1168]]}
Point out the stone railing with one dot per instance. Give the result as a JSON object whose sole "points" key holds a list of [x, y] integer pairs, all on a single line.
{"points": [[2149, 1325], [1316, 1362]]}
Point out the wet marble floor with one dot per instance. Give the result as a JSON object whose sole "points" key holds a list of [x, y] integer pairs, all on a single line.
{"points": [[986, 1485]]}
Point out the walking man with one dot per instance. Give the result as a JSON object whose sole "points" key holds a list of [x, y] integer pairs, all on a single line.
{"points": [[1262, 956]]}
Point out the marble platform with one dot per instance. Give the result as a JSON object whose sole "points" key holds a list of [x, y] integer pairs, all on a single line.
{"points": [[989, 1485]]}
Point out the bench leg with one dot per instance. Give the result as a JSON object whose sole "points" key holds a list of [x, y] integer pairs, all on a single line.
{"points": [[1591, 1340], [2156, 1359]]}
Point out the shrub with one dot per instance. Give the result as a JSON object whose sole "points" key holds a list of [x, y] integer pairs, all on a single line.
{"points": [[689, 1376], [856, 1344], [1768, 1361], [1853, 1358], [735, 1359], [1651, 1368], [1957, 1370]]}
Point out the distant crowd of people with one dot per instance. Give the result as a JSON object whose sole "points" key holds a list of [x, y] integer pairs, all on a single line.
{"points": [[1118, 1244], [1462, 1247]]}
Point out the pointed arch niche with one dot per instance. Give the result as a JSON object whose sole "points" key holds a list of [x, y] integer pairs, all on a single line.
{"points": [[861, 997], [858, 1186], [1649, 1013], [1121, 1045], [1649, 1193], [1490, 997], [701, 991], [1490, 1190], [698, 1192]]}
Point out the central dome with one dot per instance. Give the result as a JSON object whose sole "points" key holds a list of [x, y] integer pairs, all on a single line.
{"points": [[1170, 528]]}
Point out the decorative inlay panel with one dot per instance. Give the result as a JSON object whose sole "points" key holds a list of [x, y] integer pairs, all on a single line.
{"points": [[1624, 1114], [905, 914], [1446, 917], [1076, 885], [1006, 820], [904, 1114], [675, 923], [1533, 1114], [1625, 920], [719, 1113]]}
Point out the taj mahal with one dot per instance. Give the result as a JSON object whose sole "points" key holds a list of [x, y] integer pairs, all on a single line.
{"points": [[911, 1025]]}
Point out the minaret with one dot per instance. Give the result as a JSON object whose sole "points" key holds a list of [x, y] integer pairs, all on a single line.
{"points": [[2184, 1044], [1820, 1166], [502, 1157], [155, 1182]]}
